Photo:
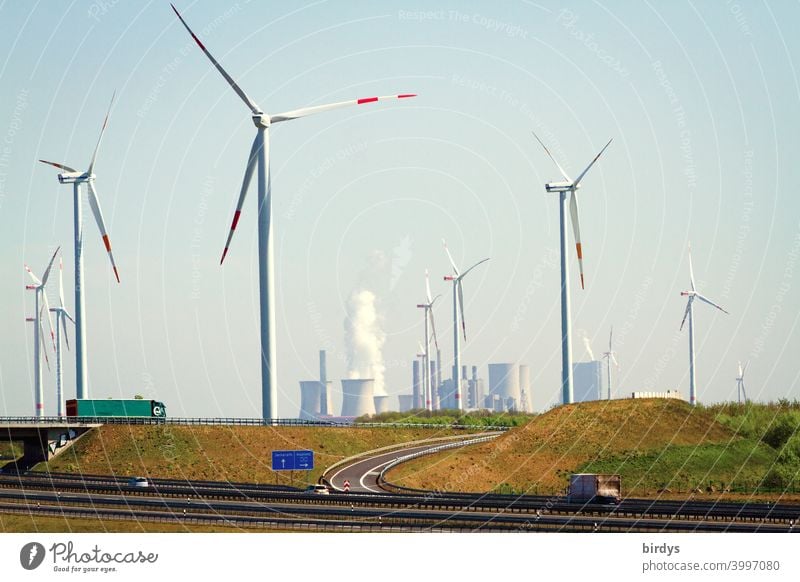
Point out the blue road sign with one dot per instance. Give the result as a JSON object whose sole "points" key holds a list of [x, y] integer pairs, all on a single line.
{"points": [[304, 460], [283, 460], [292, 460]]}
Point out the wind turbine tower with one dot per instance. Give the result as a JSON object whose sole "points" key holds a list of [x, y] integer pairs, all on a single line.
{"points": [[259, 157], [458, 306], [568, 186], [689, 313], [610, 356], [428, 315]]}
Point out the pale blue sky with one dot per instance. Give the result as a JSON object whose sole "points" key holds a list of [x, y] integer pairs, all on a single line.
{"points": [[701, 99]]}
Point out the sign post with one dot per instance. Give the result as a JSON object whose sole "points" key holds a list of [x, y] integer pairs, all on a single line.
{"points": [[292, 461]]}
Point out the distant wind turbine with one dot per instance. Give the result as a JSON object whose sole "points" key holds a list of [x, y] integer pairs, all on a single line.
{"points": [[569, 186], [62, 315], [610, 356], [458, 306], [692, 295], [431, 399], [740, 391], [76, 178], [259, 156], [41, 307]]}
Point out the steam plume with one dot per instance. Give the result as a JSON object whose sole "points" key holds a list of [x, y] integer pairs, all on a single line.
{"points": [[364, 339]]}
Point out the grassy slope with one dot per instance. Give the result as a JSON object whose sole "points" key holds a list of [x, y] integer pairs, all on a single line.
{"points": [[10, 523], [625, 436], [239, 454]]}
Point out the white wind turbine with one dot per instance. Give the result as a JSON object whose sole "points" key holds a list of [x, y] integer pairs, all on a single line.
{"points": [[692, 295], [610, 356], [259, 155], [569, 186], [62, 315], [76, 178], [740, 391], [458, 306], [41, 307], [431, 397]]}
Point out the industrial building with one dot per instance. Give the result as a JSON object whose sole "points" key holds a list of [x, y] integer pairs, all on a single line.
{"points": [[588, 381]]}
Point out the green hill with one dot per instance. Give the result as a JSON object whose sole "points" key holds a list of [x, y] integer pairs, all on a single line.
{"points": [[654, 444]]}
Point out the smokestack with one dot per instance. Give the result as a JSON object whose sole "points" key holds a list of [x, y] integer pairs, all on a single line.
{"points": [[438, 367], [474, 373], [415, 386], [324, 406], [434, 386], [464, 372]]}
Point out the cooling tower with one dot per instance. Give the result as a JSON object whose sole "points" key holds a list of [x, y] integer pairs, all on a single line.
{"points": [[358, 397], [504, 382], [525, 388], [406, 402], [381, 404], [310, 392]]}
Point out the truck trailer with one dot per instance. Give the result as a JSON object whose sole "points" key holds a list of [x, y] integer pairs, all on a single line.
{"points": [[594, 488], [110, 407]]}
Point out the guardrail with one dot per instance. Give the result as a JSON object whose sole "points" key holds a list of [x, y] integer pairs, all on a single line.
{"points": [[147, 420]]}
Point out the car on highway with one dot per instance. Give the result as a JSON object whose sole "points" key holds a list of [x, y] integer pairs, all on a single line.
{"points": [[317, 490], [138, 482]]}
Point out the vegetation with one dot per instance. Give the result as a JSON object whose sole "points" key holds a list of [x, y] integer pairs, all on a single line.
{"points": [[656, 445], [479, 418], [10, 450]]}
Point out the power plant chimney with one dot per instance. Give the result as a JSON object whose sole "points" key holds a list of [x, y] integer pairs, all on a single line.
{"points": [[415, 387], [325, 402]]}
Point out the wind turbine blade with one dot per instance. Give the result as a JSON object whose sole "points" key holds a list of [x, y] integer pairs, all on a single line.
{"points": [[428, 288], [461, 307], [433, 328], [449, 256], [49, 266], [578, 181], [46, 309], [249, 102], [252, 160], [691, 270], [464, 274], [59, 166], [740, 372], [304, 111], [560, 169], [61, 282], [576, 228], [421, 349], [744, 392], [33, 277], [102, 131], [706, 300], [747, 363], [94, 204], [686, 313], [614, 359], [63, 315], [610, 336], [41, 340]]}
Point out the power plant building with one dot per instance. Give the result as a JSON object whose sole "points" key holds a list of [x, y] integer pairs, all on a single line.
{"points": [[588, 381], [504, 383], [358, 397]]}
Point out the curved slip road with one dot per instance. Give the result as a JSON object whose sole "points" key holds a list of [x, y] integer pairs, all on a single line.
{"points": [[363, 473]]}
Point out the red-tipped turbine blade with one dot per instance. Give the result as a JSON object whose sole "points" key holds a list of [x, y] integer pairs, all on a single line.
{"points": [[304, 111], [252, 160], [94, 204], [59, 166]]}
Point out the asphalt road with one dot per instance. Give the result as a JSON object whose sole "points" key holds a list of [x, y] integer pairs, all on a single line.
{"points": [[363, 473]]}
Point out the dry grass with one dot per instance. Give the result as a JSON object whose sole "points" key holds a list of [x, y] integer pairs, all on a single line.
{"points": [[537, 457]]}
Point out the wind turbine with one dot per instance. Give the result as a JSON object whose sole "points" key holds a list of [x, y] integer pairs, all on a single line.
{"points": [[431, 398], [564, 188], [76, 178], [41, 306], [610, 356], [62, 315], [692, 295], [458, 305], [259, 155], [740, 392]]}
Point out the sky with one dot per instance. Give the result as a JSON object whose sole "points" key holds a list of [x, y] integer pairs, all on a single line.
{"points": [[701, 99]]}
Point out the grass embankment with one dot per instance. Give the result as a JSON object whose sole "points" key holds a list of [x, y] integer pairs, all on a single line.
{"points": [[10, 450], [215, 453], [653, 444], [10, 523], [478, 419]]}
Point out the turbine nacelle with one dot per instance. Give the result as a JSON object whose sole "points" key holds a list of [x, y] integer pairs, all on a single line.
{"points": [[561, 186], [261, 120], [449, 278], [688, 293], [74, 177]]}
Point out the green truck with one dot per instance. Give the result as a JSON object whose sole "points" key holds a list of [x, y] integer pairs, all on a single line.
{"points": [[127, 408]]}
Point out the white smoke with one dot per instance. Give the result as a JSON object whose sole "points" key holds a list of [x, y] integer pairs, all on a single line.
{"points": [[588, 345], [364, 339]]}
